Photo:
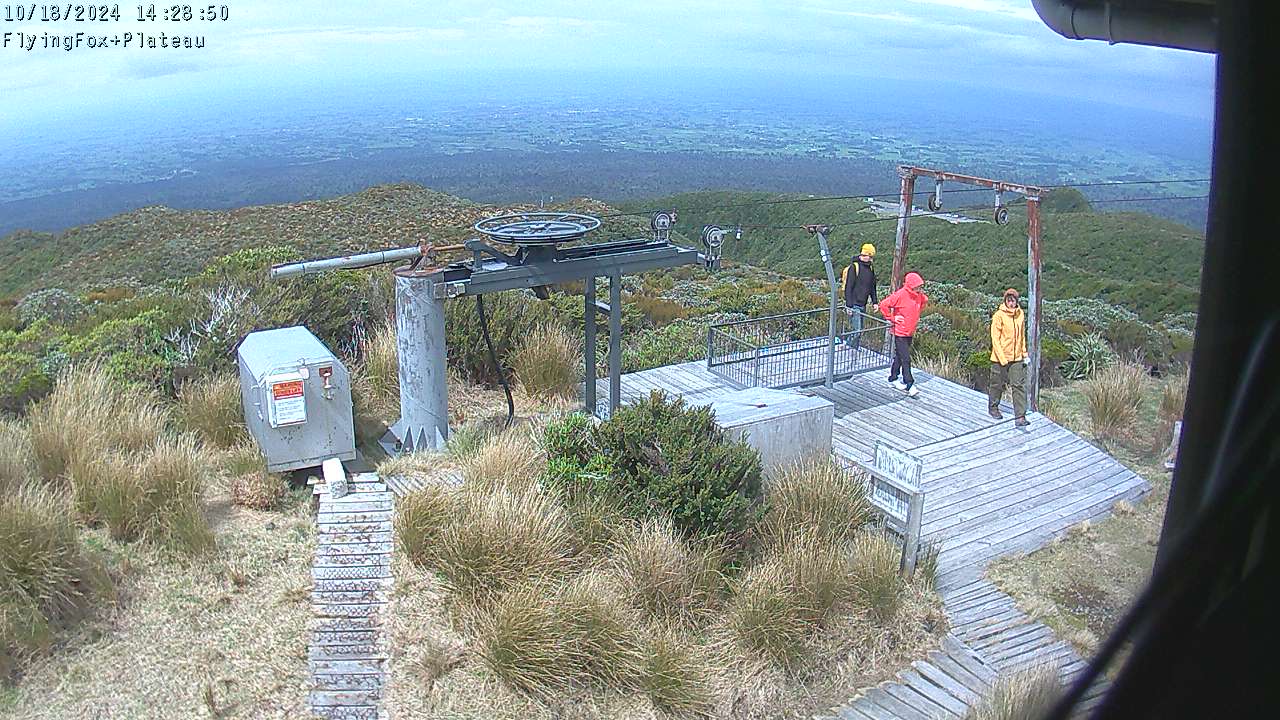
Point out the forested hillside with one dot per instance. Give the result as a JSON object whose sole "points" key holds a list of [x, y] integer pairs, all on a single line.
{"points": [[1147, 264]]}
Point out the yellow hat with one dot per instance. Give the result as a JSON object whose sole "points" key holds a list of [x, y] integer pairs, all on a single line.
{"points": [[868, 249]]}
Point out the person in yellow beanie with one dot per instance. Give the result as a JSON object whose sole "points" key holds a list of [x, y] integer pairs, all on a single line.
{"points": [[1008, 358], [859, 280]]}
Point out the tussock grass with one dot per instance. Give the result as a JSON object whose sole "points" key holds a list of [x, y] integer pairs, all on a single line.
{"points": [[87, 412], [677, 674], [489, 541], [949, 367], [377, 375], [466, 440], [542, 638], [787, 596], [1173, 397], [549, 364], [595, 524], [259, 490], [815, 496], [876, 560], [46, 579], [153, 497], [17, 465], [511, 460], [1112, 396], [211, 408], [1028, 695], [666, 576]]}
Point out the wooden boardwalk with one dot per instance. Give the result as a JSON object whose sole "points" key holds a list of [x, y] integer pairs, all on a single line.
{"points": [[990, 489], [352, 583]]}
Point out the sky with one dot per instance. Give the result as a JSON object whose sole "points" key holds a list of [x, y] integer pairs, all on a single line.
{"points": [[269, 51]]}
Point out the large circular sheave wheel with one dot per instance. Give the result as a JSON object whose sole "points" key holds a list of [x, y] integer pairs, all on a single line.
{"points": [[934, 203], [540, 228], [1002, 216]]}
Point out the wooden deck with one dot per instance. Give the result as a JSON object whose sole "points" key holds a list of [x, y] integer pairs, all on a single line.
{"points": [[991, 489]]}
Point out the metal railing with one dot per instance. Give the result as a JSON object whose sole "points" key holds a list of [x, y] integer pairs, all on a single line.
{"points": [[791, 350]]}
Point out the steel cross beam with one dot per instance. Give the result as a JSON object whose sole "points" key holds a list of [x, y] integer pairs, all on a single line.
{"points": [[1033, 193]]}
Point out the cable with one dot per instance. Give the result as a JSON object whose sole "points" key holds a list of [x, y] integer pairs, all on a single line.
{"points": [[493, 358]]}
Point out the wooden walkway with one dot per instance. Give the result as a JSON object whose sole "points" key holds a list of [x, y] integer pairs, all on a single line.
{"points": [[352, 583], [990, 489]]}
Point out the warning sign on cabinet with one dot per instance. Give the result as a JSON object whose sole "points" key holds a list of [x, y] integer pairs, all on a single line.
{"points": [[288, 404]]}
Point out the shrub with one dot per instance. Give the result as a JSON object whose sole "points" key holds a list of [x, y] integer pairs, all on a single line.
{"points": [[211, 408], [666, 576], [492, 540], [676, 675], [681, 341], [1029, 695], [52, 304], [47, 581], [25, 380], [15, 456], [876, 560], [513, 318], [1112, 397], [88, 413], [816, 496], [1087, 354], [549, 363], [659, 311], [569, 437], [670, 459]]}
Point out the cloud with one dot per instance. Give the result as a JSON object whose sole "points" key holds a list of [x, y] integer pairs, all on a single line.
{"points": [[1018, 10]]}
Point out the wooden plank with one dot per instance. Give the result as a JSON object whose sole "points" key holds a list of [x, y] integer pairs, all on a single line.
{"points": [[325, 549], [344, 624], [965, 656], [346, 667], [350, 637], [347, 598], [341, 712], [329, 560], [899, 709], [854, 711], [363, 651], [962, 675], [369, 610], [940, 697], [341, 538], [324, 698], [349, 586], [963, 694], [348, 681], [341, 518], [978, 490], [349, 572], [325, 531]]}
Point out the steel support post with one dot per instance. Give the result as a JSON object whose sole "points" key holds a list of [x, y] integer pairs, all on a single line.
{"points": [[589, 345], [420, 346], [615, 342], [831, 309], [1034, 296]]}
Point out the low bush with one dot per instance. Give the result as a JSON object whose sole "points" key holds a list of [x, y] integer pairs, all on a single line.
{"points": [[1028, 695], [674, 460], [53, 304], [26, 380], [47, 581], [658, 311], [1112, 397], [211, 408], [679, 342], [513, 318], [666, 576], [549, 363], [816, 496]]}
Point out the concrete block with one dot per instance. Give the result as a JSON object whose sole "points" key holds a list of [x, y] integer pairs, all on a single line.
{"points": [[782, 426]]}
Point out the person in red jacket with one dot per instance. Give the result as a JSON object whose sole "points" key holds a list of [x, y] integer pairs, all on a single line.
{"points": [[902, 310]]}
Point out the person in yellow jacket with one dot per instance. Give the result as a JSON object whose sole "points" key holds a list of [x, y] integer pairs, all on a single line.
{"points": [[1008, 358]]}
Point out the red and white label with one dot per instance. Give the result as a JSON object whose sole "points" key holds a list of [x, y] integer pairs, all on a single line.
{"points": [[288, 403]]}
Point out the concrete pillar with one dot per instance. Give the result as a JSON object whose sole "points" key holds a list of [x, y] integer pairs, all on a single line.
{"points": [[420, 342]]}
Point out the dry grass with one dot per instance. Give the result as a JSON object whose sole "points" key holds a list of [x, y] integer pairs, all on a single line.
{"points": [[879, 587], [231, 629], [47, 580], [950, 367], [817, 496], [511, 460], [87, 413], [154, 496], [1029, 695], [549, 364], [377, 375], [677, 674], [420, 520], [259, 490], [211, 408], [17, 465], [1112, 396], [665, 576], [1173, 397]]}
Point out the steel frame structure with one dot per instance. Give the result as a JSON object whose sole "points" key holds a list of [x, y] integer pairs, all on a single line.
{"points": [[1033, 194]]}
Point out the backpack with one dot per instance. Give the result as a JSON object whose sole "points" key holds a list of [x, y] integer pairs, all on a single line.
{"points": [[844, 275]]}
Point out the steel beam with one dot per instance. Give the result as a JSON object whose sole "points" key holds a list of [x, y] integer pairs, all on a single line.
{"points": [[496, 275], [615, 342], [825, 249], [589, 346], [1034, 296]]}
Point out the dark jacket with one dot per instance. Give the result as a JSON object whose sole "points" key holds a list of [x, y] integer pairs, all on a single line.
{"points": [[859, 284]]}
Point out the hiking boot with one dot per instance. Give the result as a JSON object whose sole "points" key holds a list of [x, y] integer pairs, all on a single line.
{"points": [[1022, 422], [898, 384], [913, 391], [995, 413]]}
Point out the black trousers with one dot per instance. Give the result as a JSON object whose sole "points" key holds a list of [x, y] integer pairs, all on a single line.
{"points": [[901, 360]]}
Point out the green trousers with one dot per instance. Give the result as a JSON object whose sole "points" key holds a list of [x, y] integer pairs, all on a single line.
{"points": [[1015, 376]]}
